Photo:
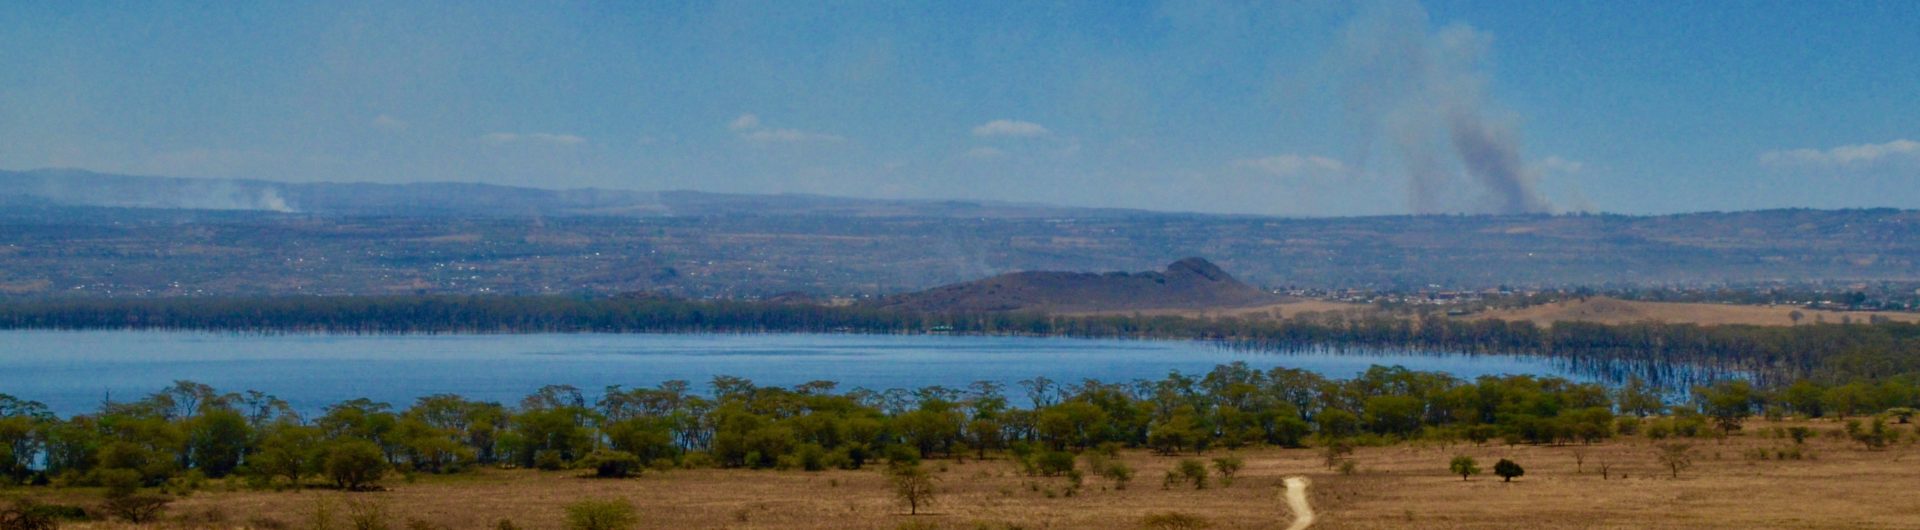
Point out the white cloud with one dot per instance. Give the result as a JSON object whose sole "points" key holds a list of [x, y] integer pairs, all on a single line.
{"points": [[746, 122], [985, 152], [749, 127], [503, 138], [791, 136], [1555, 164], [1846, 155], [1291, 164], [389, 123], [1013, 128]]}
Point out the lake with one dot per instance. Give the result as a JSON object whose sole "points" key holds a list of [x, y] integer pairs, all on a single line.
{"points": [[73, 371]]}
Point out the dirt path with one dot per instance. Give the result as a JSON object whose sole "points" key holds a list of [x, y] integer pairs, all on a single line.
{"points": [[1297, 501]]}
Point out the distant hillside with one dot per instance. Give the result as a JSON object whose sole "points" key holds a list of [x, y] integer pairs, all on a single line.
{"points": [[1190, 283], [71, 187], [67, 233]]}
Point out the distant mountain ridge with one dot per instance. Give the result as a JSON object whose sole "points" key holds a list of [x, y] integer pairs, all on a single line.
{"points": [[1190, 283], [356, 239], [72, 187]]}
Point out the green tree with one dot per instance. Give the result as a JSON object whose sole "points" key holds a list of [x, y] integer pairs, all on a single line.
{"points": [[1464, 466], [1727, 403], [354, 464], [1507, 470], [287, 450], [216, 441]]}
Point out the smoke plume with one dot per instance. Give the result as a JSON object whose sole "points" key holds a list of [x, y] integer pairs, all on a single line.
{"points": [[1424, 92]]}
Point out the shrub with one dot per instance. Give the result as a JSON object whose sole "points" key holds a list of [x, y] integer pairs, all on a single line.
{"points": [[549, 460], [607, 463], [1118, 472], [1464, 466], [1192, 471], [27, 515], [136, 509], [1874, 437], [1507, 470], [1173, 521], [601, 514], [367, 515], [1799, 434], [1053, 463], [1349, 467], [1226, 466], [355, 464], [1335, 452]]}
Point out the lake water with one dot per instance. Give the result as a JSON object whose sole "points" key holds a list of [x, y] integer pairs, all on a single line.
{"points": [[73, 371]]}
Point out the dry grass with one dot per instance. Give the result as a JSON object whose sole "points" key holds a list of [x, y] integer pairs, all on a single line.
{"points": [[1614, 311], [1288, 309], [1405, 486]]}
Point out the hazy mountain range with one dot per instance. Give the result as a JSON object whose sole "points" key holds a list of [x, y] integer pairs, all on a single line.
{"points": [[72, 233]]}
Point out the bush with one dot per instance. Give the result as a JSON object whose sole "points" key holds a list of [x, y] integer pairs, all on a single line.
{"points": [[601, 514], [1627, 425], [1226, 466], [1507, 470], [1799, 434], [1173, 521], [355, 464], [1349, 467], [549, 460], [1052, 463], [119, 482], [28, 515], [1118, 472], [136, 508], [1192, 471], [1335, 452], [612, 464], [367, 515]]}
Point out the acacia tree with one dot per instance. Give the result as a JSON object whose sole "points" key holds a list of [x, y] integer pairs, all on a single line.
{"points": [[1464, 466], [1507, 470], [1676, 457], [912, 485], [1728, 403]]}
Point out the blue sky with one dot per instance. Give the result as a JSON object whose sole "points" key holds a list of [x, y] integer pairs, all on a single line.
{"points": [[1297, 108]]}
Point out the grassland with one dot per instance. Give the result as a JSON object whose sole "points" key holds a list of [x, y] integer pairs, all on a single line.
{"points": [[1836, 484], [1603, 310]]}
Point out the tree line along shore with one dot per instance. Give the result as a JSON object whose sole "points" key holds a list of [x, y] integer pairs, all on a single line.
{"points": [[1830, 353]]}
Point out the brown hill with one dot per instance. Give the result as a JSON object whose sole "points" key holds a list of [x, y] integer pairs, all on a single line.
{"points": [[1191, 283]]}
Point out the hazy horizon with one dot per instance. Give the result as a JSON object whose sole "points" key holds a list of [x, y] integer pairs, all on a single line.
{"points": [[1311, 109]]}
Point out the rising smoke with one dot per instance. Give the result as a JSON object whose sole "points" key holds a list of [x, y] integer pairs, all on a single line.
{"points": [[1424, 92]]}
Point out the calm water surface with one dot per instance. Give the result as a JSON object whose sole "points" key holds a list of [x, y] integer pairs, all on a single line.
{"points": [[73, 371]]}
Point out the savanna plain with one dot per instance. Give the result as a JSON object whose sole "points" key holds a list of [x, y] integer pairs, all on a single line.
{"points": [[1759, 477]]}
